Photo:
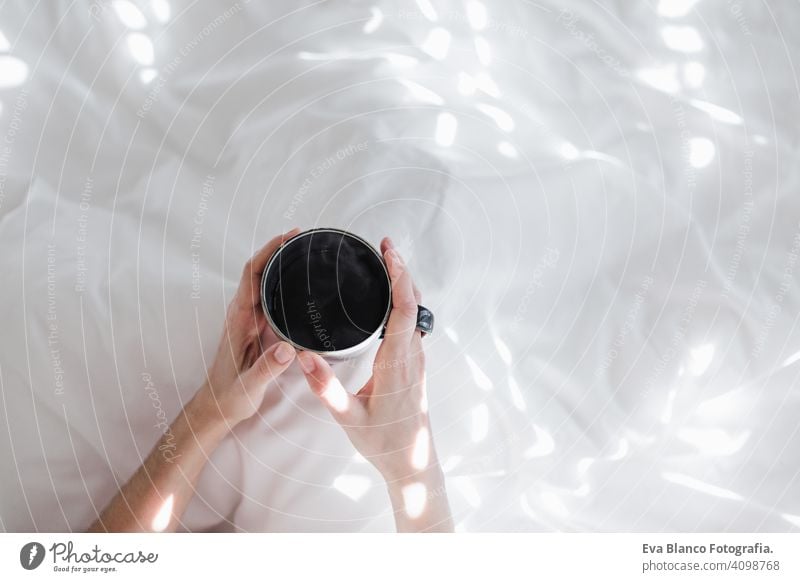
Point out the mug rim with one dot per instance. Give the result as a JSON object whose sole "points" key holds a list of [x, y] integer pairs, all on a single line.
{"points": [[352, 350]]}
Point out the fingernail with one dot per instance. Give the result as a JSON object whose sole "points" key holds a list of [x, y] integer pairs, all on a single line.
{"points": [[307, 362], [389, 242], [283, 353]]}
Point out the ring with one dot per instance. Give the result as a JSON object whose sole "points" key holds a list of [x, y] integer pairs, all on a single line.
{"points": [[424, 320]]}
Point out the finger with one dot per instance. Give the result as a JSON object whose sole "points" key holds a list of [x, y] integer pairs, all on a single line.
{"points": [[417, 332], [254, 268], [324, 383], [366, 390], [251, 354], [271, 364], [387, 244], [267, 338], [417, 294], [403, 317]]}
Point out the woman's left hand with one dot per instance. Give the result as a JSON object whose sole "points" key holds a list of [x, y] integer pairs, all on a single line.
{"points": [[249, 353], [248, 357]]}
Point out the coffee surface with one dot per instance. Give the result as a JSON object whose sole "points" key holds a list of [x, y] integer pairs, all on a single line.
{"points": [[327, 291]]}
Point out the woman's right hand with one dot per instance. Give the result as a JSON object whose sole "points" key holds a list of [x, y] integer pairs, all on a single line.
{"points": [[387, 419]]}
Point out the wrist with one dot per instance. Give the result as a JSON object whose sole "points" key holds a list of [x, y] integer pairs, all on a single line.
{"points": [[204, 415], [432, 477]]}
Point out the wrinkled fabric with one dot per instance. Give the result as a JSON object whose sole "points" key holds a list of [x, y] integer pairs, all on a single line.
{"points": [[597, 200]]}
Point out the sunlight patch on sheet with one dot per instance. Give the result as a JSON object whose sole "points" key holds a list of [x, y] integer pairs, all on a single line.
{"points": [[129, 14], [716, 112], [147, 75], [353, 486], [662, 78], [394, 59], [476, 14], [401, 60], [421, 93], [666, 416], [552, 503], [13, 72], [451, 334], [466, 84], [517, 399], [793, 519], [483, 50], [141, 48], [701, 153], [446, 128], [723, 407], [700, 359], [437, 43], [480, 423], [701, 486], [502, 349], [622, 451], [694, 74], [480, 377], [161, 10], [542, 446], [675, 8], [568, 151], [507, 150], [427, 9], [682, 38], [375, 20], [325, 56], [501, 117], [602, 157], [713, 441], [5, 46], [791, 360]]}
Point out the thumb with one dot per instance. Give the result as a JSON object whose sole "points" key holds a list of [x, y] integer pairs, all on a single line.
{"points": [[324, 383], [271, 364]]}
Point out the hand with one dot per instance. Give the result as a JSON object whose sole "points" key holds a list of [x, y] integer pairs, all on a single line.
{"points": [[249, 353], [387, 419], [157, 494]]}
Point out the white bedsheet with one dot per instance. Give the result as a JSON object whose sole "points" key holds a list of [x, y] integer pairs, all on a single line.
{"points": [[599, 202]]}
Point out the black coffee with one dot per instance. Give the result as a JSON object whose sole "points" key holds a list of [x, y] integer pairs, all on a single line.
{"points": [[327, 290]]}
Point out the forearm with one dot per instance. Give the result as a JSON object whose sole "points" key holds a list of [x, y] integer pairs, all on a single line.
{"points": [[156, 496], [420, 502]]}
